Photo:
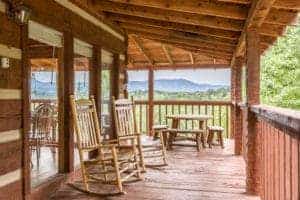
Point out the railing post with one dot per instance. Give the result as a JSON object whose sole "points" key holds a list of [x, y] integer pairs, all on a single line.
{"points": [[236, 120], [253, 88], [150, 99]]}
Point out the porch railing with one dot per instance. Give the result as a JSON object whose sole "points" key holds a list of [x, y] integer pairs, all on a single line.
{"points": [[219, 110], [278, 149]]}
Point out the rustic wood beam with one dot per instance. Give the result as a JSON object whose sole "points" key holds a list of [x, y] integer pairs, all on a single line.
{"points": [[181, 66], [256, 15], [193, 6], [192, 58], [139, 45], [279, 4], [179, 34], [201, 51], [171, 16], [183, 41], [280, 17], [201, 30], [252, 98], [65, 89], [167, 53]]}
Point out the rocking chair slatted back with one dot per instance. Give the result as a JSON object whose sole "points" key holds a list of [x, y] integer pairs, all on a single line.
{"points": [[124, 113], [86, 123], [43, 122]]}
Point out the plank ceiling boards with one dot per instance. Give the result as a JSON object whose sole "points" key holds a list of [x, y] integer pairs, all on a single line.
{"points": [[198, 31]]}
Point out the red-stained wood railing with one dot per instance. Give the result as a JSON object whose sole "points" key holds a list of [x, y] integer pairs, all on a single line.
{"points": [[278, 133], [219, 110]]}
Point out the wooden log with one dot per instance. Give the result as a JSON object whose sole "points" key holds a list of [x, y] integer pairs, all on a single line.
{"points": [[171, 16], [179, 66], [202, 30], [180, 35], [182, 41], [252, 155], [193, 6], [65, 89]]}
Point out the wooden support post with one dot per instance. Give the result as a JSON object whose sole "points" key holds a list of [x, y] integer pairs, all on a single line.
{"points": [[150, 99], [65, 89], [114, 78], [26, 85], [253, 88], [95, 85], [236, 97], [95, 78]]}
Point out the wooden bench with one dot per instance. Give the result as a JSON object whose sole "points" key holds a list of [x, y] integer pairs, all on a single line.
{"points": [[211, 132]]}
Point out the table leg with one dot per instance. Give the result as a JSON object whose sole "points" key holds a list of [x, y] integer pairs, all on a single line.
{"points": [[202, 126]]}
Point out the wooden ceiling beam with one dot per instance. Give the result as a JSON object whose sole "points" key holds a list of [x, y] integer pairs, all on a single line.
{"points": [[139, 45], [181, 66], [201, 51], [179, 34], [279, 4], [229, 35], [194, 6], [182, 41], [171, 16], [280, 17], [258, 12], [167, 53]]}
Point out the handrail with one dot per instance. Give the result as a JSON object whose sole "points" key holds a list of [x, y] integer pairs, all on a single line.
{"points": [[282, 117], [183, 102]]}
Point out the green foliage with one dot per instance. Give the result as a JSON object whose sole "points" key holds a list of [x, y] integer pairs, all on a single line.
{"points": [[280, 71], [221, 94]]}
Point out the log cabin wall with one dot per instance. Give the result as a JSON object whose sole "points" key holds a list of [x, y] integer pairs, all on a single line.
{"points": [[10, 111], [13, 87]]}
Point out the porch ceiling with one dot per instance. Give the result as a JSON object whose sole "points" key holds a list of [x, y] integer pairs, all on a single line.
{"points": [[168, 32]]}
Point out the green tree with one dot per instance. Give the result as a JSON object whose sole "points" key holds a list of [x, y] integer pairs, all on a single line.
{"points": [[280, 71]]}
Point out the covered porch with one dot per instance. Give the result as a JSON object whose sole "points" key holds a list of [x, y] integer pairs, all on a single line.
{"points": [[105, 40]]}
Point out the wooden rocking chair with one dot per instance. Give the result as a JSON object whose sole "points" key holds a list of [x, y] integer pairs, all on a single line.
{"points": [[124, 115], [113, 165]]}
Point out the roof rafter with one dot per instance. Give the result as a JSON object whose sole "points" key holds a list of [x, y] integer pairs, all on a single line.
{"points": [[179, 34], [185, 41], [193, 6], [192, 58], [142, 49], [167, 53]]}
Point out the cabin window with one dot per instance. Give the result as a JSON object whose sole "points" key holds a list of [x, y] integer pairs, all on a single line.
{"points": [[45, 45], [106, 62]]}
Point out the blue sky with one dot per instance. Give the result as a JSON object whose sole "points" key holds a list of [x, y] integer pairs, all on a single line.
{"points": [[211, 76]]}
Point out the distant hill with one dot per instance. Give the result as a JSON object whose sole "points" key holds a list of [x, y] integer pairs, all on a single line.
{"points": [[46, 89], [173, 85]]}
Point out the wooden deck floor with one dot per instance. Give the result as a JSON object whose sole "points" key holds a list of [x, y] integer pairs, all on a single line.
{"points": [[209, 175]]}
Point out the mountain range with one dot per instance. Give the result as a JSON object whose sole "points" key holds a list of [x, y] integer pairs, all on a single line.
{"points": [[174, 85], [168, 85]]}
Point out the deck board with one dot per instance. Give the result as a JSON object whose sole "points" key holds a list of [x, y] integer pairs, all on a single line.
{"points": [[210, 175]]}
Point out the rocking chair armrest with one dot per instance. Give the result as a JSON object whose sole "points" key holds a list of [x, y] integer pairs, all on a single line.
{"points": [[126, 137], [109, 142]]}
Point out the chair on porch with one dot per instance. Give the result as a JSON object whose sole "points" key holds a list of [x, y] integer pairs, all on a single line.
{"points": [[125, 122], [111, 164]]}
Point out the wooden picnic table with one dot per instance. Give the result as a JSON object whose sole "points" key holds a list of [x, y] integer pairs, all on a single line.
{"points": [[175, 128]]}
